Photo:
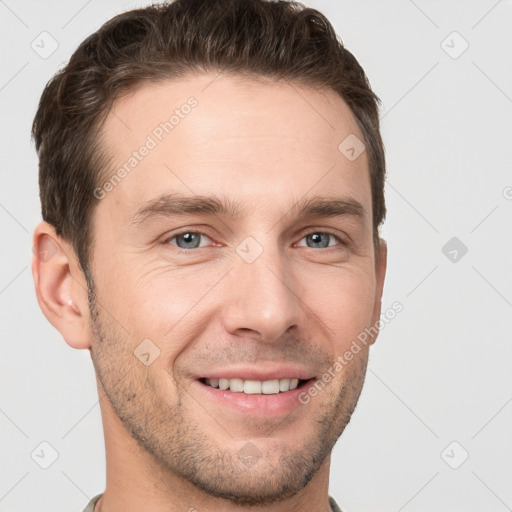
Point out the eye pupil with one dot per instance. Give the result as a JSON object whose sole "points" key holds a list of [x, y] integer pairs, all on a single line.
{"points": [[191, 240], [316, 238]]}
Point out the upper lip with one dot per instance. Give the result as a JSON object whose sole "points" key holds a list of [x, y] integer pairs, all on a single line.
{"points": [[260, 373]]}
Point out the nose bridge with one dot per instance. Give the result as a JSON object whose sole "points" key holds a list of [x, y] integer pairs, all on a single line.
{"points": [[262, 296]]}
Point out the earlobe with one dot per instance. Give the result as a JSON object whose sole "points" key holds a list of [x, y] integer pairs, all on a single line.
{"points": [[381, 266], [380, 275], [60, 286]]}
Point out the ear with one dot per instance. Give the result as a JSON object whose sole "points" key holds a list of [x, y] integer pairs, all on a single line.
{"points": [[380, 274], [60, 284]]}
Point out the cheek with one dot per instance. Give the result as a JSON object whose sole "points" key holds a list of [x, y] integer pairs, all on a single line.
{"points": [[158, 302], [344, 302]]}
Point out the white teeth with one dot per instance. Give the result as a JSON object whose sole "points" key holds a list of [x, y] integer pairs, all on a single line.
{"points": [[254, 387], [236, 385], [284, 385], [270, 387]]}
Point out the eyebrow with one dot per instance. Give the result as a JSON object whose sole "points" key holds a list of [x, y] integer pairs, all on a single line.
{"points": [[174, 205]]}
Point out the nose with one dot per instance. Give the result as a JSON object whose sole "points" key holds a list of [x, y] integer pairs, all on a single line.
{"points": [[263, 297]]}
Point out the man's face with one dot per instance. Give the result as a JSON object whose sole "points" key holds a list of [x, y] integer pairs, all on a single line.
{"points": [[261, 292]]}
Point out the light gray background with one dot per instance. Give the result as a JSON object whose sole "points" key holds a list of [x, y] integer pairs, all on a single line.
{"points": [[440, 371]]}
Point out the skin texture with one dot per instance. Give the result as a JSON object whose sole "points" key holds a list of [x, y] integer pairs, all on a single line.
{"points": [[265, 145]]}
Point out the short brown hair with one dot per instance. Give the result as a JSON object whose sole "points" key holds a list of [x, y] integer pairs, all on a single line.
{"points": [[252, 38]]}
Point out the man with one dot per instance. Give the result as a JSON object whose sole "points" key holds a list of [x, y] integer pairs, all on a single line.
{"points": [[212, 179]]}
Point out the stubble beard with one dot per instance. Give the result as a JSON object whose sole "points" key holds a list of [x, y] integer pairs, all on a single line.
{"points": [[181, 448]]}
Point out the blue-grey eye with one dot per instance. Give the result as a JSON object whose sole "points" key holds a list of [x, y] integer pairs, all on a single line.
{"points": [[188, 240], [318, 240]]}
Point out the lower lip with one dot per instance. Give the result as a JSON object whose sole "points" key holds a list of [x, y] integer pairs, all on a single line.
{"points": [[256, 405]]}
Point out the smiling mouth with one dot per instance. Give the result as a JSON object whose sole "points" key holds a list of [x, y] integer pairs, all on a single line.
{"points": [[255, 387]]}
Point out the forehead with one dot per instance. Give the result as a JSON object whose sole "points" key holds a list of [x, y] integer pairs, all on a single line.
{"points": [[234, 106], [226, 135]]}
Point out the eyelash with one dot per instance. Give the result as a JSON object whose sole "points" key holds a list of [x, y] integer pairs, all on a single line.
{"points": [[342, 243]]}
